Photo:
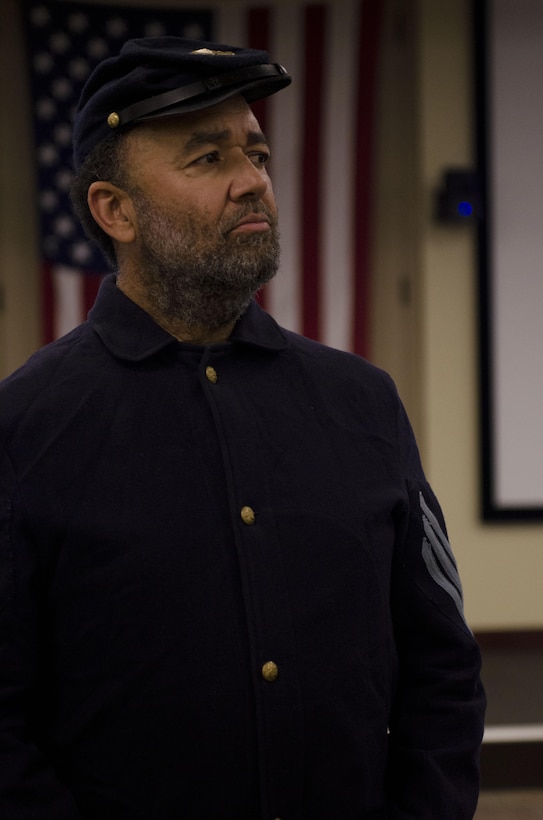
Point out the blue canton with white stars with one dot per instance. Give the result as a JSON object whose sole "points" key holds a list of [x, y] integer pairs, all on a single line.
{"points": [[65, 41]]}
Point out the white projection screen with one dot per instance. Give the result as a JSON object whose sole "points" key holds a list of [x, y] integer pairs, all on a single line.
{"points": [[509, 68]]}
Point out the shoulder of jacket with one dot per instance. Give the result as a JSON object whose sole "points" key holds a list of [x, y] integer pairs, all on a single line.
{"points": [[39, 373]]}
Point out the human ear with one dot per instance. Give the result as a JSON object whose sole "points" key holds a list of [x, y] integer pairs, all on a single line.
{"points": [[111, 208]]}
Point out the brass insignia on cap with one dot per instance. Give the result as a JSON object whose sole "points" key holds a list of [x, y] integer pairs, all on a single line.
{"points": [[215, 53], [113, 120]]}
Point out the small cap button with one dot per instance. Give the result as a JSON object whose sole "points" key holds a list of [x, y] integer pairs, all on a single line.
{"points": [[270, 671], [248, 515], [211, 374], [113, 120]]}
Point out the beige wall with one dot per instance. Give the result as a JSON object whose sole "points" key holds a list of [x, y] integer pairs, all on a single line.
{"points": [[424, 296], [425, 299], [501, 565], [19, 276]]}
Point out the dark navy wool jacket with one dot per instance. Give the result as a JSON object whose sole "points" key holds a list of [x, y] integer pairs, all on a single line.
{"points": [[226, 591]]}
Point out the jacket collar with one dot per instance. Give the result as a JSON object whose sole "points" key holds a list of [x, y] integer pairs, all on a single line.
{"points": [[130, 333]]}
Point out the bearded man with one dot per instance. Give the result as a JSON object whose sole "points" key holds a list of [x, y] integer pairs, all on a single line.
{"points": [[226, 590]]}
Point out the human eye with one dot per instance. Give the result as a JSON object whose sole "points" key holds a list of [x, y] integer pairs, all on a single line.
{"points": [[260, 158], [209, 158]]}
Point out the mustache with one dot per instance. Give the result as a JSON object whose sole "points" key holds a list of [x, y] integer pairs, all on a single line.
{"points": [[230, 222]]}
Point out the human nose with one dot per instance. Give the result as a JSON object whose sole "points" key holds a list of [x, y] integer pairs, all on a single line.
{"points": [[248, 180]]}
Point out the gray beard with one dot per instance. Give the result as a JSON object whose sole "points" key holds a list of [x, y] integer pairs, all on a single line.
{"points": [[200, 279]]}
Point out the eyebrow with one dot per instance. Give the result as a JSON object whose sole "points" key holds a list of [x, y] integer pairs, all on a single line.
{"points": [[201, 138]]}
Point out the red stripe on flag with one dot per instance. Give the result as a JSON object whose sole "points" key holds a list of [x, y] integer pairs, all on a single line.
{"points": [[369, 48], [314, 25], [91, 285]]}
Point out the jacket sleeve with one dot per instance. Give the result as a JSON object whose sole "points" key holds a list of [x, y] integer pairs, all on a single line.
{"points": [[436, 723], [29, 789]]}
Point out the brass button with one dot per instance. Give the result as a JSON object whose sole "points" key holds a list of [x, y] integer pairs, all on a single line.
{"points": [[211, 374], [248, 515], [113, 120], [270, 671]]}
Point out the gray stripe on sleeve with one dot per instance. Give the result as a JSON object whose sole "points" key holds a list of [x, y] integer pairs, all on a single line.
{"points": [[439, 558]]}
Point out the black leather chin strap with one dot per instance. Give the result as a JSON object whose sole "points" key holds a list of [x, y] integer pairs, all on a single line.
{"points": [[159, 102]]}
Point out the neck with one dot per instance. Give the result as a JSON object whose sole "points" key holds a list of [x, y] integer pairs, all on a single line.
{"points": [[196, 334]]}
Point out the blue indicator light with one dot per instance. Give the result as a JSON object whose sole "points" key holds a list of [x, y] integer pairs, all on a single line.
{"points": [[465, 208]]}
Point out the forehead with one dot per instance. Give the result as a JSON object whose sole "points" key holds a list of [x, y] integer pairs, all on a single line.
{"points": [[232, 116]]}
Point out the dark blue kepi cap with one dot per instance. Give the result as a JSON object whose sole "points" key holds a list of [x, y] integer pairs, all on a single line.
{"points": [[160, 76]]}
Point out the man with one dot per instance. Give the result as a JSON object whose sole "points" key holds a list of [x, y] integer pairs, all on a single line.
{"points": [[226, 587]]}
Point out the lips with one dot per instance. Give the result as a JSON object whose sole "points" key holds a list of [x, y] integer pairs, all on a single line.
{"points": [[251, 223]]}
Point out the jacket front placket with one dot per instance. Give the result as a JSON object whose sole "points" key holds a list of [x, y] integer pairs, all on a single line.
{"points": [[264, 585]]}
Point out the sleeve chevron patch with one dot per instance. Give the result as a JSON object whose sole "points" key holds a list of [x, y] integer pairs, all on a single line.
{"points": [[438, 557]]}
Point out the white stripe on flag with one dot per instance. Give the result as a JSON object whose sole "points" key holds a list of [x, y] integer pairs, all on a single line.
{"points": [[337, 195], [230, 24], [68, 299], [285, 291]]}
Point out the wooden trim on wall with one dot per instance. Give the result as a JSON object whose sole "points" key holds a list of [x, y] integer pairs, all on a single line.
{"points": [[515, 764], [512, 766], [507, 640]]}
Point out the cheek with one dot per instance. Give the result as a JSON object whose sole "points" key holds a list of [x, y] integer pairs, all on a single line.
{"points": [[207, 201]]}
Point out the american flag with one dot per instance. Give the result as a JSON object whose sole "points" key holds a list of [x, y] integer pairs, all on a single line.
{"points": [[320, 129]]}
